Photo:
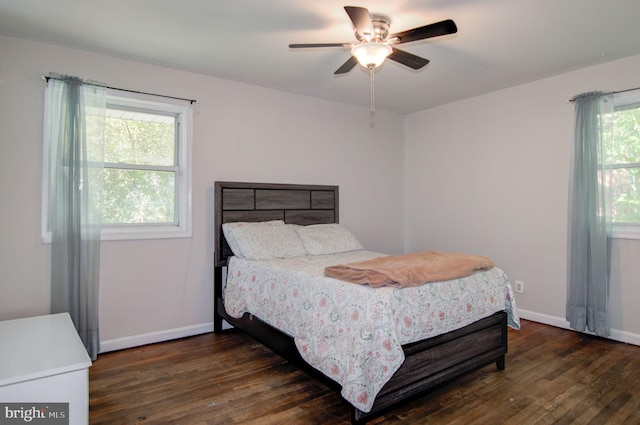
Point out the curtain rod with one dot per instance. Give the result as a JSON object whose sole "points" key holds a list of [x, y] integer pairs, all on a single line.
{"points": [[192, 101], [612, 92]]}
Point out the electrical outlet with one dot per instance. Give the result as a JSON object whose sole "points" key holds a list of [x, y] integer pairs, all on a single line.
{"points": [[519, 287]]}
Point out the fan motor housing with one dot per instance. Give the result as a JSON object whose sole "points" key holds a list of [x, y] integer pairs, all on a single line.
{"points": [[381, 24]]}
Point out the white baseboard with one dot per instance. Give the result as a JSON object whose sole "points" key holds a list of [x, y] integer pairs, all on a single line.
{"points": [[153, 337], [561, 322], [150, 338]]}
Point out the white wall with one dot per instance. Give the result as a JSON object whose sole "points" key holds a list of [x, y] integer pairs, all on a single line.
{"points": [[486, 175], [489, 175], [151, 290]]}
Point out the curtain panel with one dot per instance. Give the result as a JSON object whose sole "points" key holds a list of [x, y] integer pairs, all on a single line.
{"points": [[75, 129], [589, 239]]}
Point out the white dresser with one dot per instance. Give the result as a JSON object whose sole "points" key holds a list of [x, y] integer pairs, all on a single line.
{"points": [[43, 360]]}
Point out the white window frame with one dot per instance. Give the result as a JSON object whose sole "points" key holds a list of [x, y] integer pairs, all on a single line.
{"points": [[183, 227], [626, 230]]}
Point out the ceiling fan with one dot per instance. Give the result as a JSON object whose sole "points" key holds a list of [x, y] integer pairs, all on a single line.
{"points": [[375, 43]]}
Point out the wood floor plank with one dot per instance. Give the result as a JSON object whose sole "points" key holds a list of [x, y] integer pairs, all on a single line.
{"points": [[552, 376]]}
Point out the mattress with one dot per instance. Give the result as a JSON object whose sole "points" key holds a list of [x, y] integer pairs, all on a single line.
{"points": [[354, 333]]}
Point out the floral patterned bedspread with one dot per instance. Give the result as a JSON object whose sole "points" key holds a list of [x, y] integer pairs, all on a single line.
{"points": [[353, 333]]}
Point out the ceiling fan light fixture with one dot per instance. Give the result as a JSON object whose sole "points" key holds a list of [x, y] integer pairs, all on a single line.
{"points": [[372, 54]]}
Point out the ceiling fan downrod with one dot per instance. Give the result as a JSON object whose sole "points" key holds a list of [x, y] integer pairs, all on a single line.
{"points": [[371, 72]]}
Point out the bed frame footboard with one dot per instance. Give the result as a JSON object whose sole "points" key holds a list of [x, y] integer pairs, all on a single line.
{"points": [[440, 359]]}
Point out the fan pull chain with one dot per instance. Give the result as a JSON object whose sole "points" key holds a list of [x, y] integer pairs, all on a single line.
{"points": [[373, 109]]}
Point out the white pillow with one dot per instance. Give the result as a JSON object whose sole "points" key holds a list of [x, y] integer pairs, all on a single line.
{"points": [[330, 238], [263, 240]]}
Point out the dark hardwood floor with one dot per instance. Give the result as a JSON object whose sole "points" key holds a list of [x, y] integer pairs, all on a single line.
{"points": [[552, 376]]}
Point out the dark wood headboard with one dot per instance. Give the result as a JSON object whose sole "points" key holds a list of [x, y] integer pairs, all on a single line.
{"points": [[293, 203]]}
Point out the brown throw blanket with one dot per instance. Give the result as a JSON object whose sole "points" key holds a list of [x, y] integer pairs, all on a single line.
{"points": [[410, 270]]}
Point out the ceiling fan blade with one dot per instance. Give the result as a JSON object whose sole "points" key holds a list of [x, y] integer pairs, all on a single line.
{"points": [[361, 19], [304, 46], [427, 31], [347, 66], [407, 59]]}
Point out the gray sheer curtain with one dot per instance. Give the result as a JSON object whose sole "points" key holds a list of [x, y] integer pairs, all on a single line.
{"points": [[589, 217], [75, 122]]}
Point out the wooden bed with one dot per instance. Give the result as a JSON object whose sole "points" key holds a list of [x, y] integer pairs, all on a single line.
{"points": [[427, 363]]}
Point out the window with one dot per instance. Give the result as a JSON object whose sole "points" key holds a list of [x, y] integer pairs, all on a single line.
{"points": [[147, 176], [146, 189], [625, 163]]}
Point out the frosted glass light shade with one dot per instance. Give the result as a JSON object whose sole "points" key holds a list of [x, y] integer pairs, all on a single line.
{"points": [[371, 54]]}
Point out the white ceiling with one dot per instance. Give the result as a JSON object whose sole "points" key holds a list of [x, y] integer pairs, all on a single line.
{"points": [[500, 43]]}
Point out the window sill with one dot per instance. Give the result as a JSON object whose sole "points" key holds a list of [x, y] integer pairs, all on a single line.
{"points": [[149, 233], [626, 232], [144, 233]]}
